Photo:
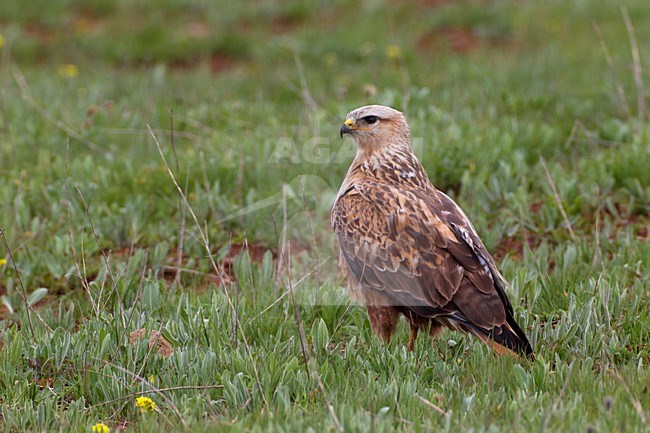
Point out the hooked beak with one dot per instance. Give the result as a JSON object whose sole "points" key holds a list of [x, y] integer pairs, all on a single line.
{"points": [[346, 128]]}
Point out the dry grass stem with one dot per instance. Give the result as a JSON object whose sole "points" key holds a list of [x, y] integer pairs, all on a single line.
{"points": [[618, 86], [105, 256], [558, 200], [432, 405], [24, 89], [217, 269], [637, 70]]}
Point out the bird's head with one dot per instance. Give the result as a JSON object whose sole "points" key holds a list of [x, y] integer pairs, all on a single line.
{"points": [[376, 127]]}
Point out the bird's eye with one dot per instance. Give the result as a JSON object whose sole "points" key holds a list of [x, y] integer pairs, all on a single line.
{"points": [[371, 119]]}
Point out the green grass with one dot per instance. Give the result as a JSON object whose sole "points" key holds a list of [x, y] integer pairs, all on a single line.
{"points": [[493, 92]]}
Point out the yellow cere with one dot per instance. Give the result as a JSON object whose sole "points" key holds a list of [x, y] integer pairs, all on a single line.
{"points": [[100, 428], [348, 122], [145, 404]]}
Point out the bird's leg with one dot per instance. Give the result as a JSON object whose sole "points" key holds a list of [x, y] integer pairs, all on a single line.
{"points": [[412, 337], [383, 320]]}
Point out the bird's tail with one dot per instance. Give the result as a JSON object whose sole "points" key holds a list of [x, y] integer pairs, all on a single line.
{"points": [[508, 337], [512, 337]]}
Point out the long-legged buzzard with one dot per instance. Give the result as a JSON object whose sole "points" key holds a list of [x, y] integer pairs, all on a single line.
{"points": [[408, 249]]}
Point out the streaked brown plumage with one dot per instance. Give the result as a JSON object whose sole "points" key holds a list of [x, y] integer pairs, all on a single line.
{"points": [[408, 249]]}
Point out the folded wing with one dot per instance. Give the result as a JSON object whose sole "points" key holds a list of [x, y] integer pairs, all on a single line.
{"points": [[420, 250]]}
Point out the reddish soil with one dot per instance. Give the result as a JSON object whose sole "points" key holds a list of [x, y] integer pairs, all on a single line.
{"points": [[459, 40], [513, 246], [255, 250], [220, 62]]}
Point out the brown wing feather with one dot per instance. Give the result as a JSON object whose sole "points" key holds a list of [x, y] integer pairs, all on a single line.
{"points": [[409, 244]]}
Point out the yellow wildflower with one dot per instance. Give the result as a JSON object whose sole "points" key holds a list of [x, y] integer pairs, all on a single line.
{"points": [[68, 70], [3, 262], [393, 52], [100, 427], [145, 404], [2, 41], [152, 378]]}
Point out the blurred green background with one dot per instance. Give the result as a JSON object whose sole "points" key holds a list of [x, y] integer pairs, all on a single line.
{"points": [[532, 115]]}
